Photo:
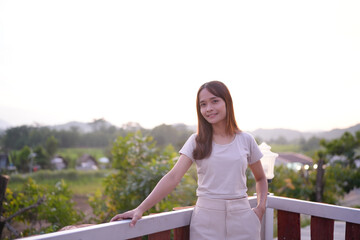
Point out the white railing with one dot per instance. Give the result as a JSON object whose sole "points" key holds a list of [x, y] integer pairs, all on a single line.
{"points": [[153, 224]]}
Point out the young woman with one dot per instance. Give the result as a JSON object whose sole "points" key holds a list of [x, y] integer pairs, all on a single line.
{"points": [[221, 153]]}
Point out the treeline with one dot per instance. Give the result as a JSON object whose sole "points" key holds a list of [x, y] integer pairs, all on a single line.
{"points": [[17, 138]]}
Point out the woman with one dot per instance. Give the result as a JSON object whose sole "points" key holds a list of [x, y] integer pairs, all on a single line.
{"points": [[221, 153]]}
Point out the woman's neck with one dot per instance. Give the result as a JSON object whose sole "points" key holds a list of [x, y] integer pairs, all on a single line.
{"points": [[220, 136]]}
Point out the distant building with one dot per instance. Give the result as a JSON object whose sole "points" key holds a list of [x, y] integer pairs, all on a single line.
{"points": [[6, 164], [86, 162], [59, 163], [104, 162], [294, 161]]}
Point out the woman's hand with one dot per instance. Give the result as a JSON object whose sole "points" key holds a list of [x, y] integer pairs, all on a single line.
{"points": [[134, 215], [259, 212]]}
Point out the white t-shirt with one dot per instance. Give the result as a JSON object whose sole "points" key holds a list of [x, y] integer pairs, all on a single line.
{"points": [[222, 175]]}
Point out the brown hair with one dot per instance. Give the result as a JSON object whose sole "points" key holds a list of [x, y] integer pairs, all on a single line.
{"points": [[204, 133]]}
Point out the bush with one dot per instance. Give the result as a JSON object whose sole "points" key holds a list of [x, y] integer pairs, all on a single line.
{"points": [[55, 212], [141, 165]]}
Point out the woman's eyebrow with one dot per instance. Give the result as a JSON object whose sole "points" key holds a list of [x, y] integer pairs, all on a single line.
{"points": [[211, 98]]}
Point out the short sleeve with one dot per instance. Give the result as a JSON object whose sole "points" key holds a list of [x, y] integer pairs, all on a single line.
{"points": [[189, 147], [255, 153]]}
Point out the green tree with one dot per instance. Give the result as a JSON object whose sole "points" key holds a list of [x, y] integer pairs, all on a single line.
{"points": [[56, 209], [337, 161], [16, 138], [51, 146], [291, 183], [42, 158], [141, 165], [22, 160]]}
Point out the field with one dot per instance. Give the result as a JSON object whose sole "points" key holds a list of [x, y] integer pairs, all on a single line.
{"points": [[79, 182]]}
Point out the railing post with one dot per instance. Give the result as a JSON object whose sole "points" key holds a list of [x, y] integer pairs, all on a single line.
{"points": [[322, 228], [268, 233], [165, 235], [288, 225], [267, 228], [352, 231], [182, 233]]}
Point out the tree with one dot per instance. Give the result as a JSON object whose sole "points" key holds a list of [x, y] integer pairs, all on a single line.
{"points": [[22, 160], [16, 138], [320, 172], [42, 158], [140, 167], [341, 152], [34, 206], [51, 146]]}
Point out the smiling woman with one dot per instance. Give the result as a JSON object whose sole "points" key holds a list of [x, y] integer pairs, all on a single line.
{"points": [[222, 154]]}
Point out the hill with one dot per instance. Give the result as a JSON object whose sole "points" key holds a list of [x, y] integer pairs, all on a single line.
{"points": [[290, 135], [81, 126]]}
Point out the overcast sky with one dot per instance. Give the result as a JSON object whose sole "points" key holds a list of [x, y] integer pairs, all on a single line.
{"points": [[288, 64]]}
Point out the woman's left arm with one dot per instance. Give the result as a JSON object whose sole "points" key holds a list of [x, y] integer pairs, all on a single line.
{"points": [[261, 188]]}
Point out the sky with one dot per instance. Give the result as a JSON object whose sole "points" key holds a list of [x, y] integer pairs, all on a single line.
{"points": [[287, 64]]}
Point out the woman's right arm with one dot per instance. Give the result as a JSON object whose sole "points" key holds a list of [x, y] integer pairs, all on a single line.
{"points": [[161, 190]]}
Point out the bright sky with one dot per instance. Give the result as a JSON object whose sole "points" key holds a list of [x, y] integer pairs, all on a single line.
{"points": [[288, 64]]}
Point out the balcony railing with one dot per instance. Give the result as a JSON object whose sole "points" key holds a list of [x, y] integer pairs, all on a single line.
{"points": [[160, 226]]}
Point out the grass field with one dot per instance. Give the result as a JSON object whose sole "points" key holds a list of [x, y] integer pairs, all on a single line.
{"points": [[285, 148], [79, 182], [78, 152]]}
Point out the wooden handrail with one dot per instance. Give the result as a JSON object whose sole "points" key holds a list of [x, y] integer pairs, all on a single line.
{"points": [[159, 226]]}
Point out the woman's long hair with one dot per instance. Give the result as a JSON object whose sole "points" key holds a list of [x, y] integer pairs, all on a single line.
{"points": [[205, 132]]}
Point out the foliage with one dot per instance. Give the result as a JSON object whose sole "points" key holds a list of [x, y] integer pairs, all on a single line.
{"points": [[22, 160], [291, 183], [141, 165], [18, 137], [56, 212], [338, 161], [51, 146], [42, 157], [167, 134], [345, 146]]}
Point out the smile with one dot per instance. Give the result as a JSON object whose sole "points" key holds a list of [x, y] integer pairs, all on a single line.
{"points": [[212, 115]]}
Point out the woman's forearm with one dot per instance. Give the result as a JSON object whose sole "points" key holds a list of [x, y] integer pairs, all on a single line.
{"points": [[261, 192], [161, 190]]}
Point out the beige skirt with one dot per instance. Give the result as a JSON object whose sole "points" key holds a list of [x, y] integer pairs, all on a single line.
{"points": [[224, 220]]}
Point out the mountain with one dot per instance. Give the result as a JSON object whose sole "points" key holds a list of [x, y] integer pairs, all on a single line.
{"points": [[82, 127], [289, 135], [272, 134], [336, 133]]}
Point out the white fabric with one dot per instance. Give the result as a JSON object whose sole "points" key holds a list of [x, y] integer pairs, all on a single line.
{"points": [[224, 219], [222, 175]]}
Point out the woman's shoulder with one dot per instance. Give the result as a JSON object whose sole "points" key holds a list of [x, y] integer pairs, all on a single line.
{"points": [[192, 137], [245, 135]]}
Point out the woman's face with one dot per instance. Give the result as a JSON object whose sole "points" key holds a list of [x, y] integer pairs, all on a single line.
{"points": [[212, 108]]}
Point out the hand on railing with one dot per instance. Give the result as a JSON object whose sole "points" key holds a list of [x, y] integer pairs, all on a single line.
{"points": [[134, 215]]}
